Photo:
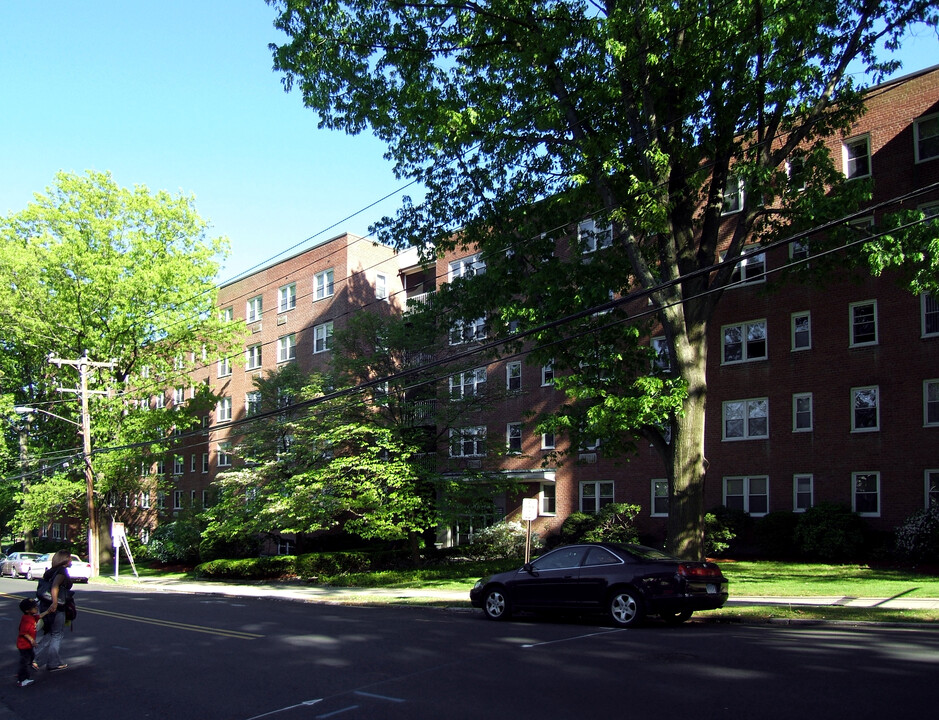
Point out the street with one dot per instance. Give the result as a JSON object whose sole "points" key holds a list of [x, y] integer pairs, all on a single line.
{"points": [[149, 654]]}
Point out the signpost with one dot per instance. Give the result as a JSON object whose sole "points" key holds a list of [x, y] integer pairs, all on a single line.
{"points": [[529, 513], [119, 540]]}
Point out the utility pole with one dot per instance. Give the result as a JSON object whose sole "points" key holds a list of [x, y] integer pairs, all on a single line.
{"points": [[24, 469], [83, 364]]}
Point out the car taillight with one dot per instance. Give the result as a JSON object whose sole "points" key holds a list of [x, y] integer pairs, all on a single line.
{"points": [[699, 571]]}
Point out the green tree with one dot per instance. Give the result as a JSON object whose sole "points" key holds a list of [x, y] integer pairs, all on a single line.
{"points": [[128, 276], [523, 119]]}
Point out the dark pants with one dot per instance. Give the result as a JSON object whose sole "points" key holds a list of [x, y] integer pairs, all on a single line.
{"points": [[26, 663]]}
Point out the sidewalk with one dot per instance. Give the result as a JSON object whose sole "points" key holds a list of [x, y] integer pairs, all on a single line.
{"points": [[427, 596]]}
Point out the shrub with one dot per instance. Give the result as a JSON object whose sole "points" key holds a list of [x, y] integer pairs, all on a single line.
{"points": [[176, 541], [576, 525], [831, 532], [331, 564], [917, 538], [504, 539], [718, 533], [775, 534], [614, 523]]}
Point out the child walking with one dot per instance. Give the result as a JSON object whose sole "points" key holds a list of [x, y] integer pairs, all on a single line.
{"points": [[26, 640]]}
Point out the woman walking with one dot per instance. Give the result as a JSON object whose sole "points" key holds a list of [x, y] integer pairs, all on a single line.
{"points": [[53, 607]]}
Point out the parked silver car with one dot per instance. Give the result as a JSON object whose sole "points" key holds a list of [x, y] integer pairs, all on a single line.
{"points": [[18, 564]]}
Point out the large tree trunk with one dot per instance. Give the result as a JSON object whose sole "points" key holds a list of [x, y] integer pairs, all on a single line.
{"points": [[685, 462]]}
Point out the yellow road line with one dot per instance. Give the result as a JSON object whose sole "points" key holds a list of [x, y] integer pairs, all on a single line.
{"points": [[223, 632]]}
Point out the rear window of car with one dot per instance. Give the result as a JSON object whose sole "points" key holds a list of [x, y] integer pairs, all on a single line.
{"points": [[643, 552]]}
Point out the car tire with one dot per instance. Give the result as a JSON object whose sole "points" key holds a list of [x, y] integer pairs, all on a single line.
{"points": [[29, 574], [13, 574], [496, 605], [625, 607], [675, 617]]}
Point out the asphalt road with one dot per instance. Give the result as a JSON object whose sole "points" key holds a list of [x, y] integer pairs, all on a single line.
{"points": [[144, 654]]}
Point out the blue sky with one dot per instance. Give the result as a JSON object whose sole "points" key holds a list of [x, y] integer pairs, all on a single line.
{"points": [[179, 95]]}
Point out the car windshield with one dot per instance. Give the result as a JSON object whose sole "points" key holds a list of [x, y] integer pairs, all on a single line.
{"points": [[28, 556]]}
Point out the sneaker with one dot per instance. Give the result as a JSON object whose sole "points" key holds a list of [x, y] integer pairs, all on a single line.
{"points": [[27, 681]]}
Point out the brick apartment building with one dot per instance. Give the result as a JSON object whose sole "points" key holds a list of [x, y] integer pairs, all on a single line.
{"points": [[816, 392]]}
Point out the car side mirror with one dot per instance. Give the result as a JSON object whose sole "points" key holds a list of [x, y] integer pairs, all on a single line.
{"points": [[527, 567]]}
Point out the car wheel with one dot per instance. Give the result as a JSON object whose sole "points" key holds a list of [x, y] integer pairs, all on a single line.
{"points": [[13, 573], [496, 605], [676, 617], [29, 574], [626, 609]]}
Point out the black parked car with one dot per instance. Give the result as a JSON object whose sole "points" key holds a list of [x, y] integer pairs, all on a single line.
{"points": [[625, 581]]}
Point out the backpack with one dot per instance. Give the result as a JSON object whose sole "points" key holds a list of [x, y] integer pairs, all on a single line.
{"points": [[44, 589]]}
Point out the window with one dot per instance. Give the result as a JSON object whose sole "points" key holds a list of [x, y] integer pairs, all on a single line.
{"points": [[253, 309], [932, 487], [926, 138], [865, 409], [179, 396], [161, 500], [227, 314], [468, 442], [287, 298], [659, 498], [863, 317], [931, 403], [547, 441], [323, 285], [223, 410], [192, 463], [224, 454], [286, 348], [798, 250], [177, 499], [865, 493], [746, 419], [744, 342], [930, 307], [253, 357], [205, 462], [161, 467], [733, 196], [145, 499], [801, 331], [513, 376], [663, 360], [468, 384], [160, 401], [224, 367], [513, 437], [548, 498], [797, 171], [381, 286], [56, 531], [468, 331], [749, 269], [467, 267], [253, 402], [595, 495], [178, 465], [802, 412], [857, 157], [749, 494], [594, 237], [323, 337], [547, 375], [803, 492]]}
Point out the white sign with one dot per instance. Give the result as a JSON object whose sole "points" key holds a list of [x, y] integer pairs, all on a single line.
{"points": [[117, 532], [529, 509]]}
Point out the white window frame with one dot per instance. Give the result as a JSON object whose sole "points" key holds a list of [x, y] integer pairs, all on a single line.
{"points": [[797, 412], [466, 332], [604, 493], [548, 441], [796, 332], [287, 297], [223, 410], [224, 454], [659, 498], [192, 463], [547, 499], [513, 432], [589, 233], [459, 437], [179, 465], [931, 488], [323, 337], [254, 356], [751, 408], [286, 348], [663, 359], [850, 160], [224, 367], [859, 394], [466, 267], [254, 309], [471, 383], [856, 477], [918, 139], [799, 251], [205, 462], [746, 342], [742, 275], [177, 499], [513, 376], [799, 482], [748, 494], [732, 199], [854, 322], [381, 286], [929, 314], [252, 402], [179, 396], [227, 314], [547, 375], [324, 285], [931, 402]]}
